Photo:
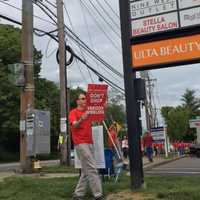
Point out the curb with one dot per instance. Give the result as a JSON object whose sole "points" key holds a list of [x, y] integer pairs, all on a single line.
{"points": [[146, 168]]}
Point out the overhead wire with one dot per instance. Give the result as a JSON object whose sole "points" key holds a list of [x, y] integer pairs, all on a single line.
{"points": [[99, 26], [111, 9], [98, 58], [83, 45], [19, 9], [121, 90], [104, 19], [40, 6], [77, 39], [88, 32], [55, 23], [79, 46], [107, 14], [108, 72], [50, 3]]}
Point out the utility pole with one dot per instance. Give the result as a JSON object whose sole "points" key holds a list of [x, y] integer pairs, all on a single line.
{"points": [[145, 75], [150, 108], [63, 78], [136, 169], [27, 92]]}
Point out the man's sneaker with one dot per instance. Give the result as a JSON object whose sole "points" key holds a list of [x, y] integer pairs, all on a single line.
{"points": [[100, 198]]}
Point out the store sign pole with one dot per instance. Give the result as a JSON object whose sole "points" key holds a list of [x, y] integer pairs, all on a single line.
{"points": [[136, 170]]}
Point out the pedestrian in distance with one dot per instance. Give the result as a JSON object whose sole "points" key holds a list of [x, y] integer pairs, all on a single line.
{"points": [[148, 145], [113, 141], [125, 146], [81, 129]]}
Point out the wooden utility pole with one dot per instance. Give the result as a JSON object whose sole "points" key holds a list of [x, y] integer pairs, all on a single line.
{"points": [[27, 92], [63, 78]]}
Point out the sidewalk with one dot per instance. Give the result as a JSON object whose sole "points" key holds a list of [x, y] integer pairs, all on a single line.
{"points": [[146, 166]]}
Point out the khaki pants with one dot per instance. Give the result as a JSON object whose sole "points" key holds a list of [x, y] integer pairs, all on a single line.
{"points": [[89, 173]]}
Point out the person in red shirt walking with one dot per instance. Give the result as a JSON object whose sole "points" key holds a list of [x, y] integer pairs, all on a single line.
{"points": [[148, 145], [81, 129]]}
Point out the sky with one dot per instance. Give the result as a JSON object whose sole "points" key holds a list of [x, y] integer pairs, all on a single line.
{"points": [[104, 38]]}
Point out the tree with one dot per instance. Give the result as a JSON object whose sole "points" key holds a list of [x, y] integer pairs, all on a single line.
{"points": [[177, 123], [191, 102], [46, 92], [10, 53], [177, 118]]}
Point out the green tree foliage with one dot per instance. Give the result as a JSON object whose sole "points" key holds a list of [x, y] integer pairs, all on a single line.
{"points": [[177, 118], [10, 53], [177, 122], [116, 113], [116, 110], [9, 95], [46, 92], [191, 102]]}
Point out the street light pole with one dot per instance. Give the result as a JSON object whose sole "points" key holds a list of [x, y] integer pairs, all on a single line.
{"points": [[27, 92]]}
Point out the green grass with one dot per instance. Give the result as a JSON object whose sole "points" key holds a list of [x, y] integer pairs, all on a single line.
{"points": [[59, 169], [160, 188], [174, 188]]}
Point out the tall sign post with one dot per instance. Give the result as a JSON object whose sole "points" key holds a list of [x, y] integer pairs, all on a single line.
{"points": [[27, 92], [136, 169], [144, 48]]}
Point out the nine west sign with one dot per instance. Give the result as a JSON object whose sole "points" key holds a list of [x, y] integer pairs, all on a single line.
{"points": [[153, 22]]}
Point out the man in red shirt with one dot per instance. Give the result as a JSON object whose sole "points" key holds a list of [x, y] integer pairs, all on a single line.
{"points": [[148, 145], [81, 130]]}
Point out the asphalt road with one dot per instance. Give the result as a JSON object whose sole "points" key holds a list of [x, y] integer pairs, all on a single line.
{"points": [[184, 167]]}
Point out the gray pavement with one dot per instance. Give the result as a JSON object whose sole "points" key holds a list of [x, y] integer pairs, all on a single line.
{"points": [[10, 169], [186, 166]]}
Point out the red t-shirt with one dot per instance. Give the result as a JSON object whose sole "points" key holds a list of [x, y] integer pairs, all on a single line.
{"points": [[83, 133], [113, 135], [148, 141]]}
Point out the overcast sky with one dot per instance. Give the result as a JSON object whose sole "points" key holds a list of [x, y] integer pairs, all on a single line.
{"points": [[170, 83]]}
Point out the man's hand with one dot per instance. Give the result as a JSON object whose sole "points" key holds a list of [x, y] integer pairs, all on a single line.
{"points": [[84, 116]]}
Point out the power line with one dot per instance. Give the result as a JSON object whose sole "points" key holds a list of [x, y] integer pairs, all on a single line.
{"points": [[112, 9], [109, 25], [107, 36], [81, 43], [121, 90], [98, 58], [89, 35], [19, 9], [51, 3], [106, 12], [73, 38]]}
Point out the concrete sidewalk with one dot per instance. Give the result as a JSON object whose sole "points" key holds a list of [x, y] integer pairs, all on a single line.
{"points": [[9, 173]]}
